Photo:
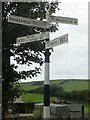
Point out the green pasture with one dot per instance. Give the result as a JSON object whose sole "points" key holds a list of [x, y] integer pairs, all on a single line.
{"points": [[56, 82], [28, 86], [32, 98], [68, 85]]}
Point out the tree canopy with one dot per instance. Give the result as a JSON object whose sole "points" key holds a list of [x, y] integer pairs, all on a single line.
{"points": [[24, 54]]}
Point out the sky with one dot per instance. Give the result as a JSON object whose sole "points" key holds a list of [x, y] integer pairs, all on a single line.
{"points": [[69, 60]]}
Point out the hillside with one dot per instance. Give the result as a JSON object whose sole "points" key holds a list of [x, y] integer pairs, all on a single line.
{"points": [[67, 85], [74, 91]]}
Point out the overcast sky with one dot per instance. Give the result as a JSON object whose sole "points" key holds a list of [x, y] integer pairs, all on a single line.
{"points": [[70, 60]]}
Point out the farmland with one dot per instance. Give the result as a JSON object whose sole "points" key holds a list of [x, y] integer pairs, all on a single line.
{"points": [[34, 90], [67, 85], [32, 97]]}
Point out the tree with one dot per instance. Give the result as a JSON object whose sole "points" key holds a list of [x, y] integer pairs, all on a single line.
{"points": [[28, 53]]}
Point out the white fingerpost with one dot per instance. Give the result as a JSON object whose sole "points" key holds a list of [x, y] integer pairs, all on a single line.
{"points": [[46, 107], [48, 45]]}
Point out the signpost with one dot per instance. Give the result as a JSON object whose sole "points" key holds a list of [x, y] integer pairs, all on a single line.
{"points": [[49, 44], [27, 21], [65, 20], [57, 41], [32, 38]]}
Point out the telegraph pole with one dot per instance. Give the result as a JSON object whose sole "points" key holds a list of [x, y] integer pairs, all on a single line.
{"points": [[46, 108]]}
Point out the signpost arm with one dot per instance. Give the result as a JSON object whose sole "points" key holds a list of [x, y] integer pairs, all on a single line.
{"points": [[46, 108]]}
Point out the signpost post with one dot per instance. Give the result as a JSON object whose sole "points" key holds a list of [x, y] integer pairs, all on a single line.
{"points": [[46, 107]]}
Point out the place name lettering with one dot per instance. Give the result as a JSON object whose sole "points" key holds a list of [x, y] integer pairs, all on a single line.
{"points": [[28, 22], [65, 20]]}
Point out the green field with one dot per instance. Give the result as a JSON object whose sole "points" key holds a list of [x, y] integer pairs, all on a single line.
{"points": [[32, 98], [70, 85], [75, 85], [28, 86]]}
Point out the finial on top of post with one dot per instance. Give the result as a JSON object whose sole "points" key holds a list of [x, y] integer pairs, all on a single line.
{"points": [[47, 9]]}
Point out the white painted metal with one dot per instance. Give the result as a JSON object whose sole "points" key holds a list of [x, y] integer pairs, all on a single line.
{"points": [[47, 74], [46, 112], [46, 109], [32, 38], [65, 20], [57, 41], [27, 21]]}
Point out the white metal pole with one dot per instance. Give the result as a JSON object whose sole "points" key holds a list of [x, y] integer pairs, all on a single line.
{"points": [[46, 108]]}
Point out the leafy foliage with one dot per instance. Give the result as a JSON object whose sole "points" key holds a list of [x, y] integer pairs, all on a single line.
{"points": [[24, 54]]}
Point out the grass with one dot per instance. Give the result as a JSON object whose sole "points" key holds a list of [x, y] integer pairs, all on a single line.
{"points": [[87, 109], [70, 86], [32, 98], [28, 86], [55, 82]]}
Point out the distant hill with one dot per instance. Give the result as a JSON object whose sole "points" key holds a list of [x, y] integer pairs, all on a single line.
{"points": [[67, 85]]}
